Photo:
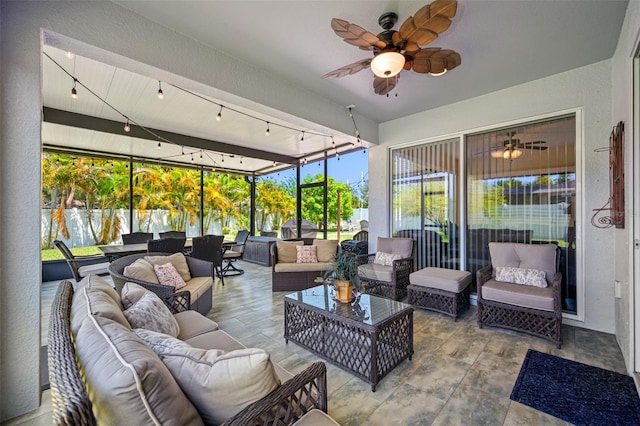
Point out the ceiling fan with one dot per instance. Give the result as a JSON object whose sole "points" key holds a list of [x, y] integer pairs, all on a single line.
{"points": [[394, 51], [513, 148]]}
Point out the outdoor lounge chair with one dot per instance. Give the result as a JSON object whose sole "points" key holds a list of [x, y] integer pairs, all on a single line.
{"points": [[81, 266]]}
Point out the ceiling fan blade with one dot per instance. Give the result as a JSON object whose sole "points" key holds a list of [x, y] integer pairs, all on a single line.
{"points": [[356, 35], [534, 143], [349, 69], [534, 147], [429, 21], [382, 86], [435, 60]]}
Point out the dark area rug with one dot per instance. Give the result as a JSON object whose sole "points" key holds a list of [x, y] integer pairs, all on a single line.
{"points": [[576, 392], [44, 370]]}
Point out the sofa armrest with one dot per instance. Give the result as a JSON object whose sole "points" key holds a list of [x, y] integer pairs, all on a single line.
{"points": [[290, 401], [482, 276], [178, 302], [199, 267]]}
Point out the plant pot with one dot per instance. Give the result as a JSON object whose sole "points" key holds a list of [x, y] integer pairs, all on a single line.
{"points": [[345, 291]]}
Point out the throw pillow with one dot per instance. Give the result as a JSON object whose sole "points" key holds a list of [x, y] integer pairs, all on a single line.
{"points": [[220, 384], [152, 314], [386, 259], [177, 259], [533, 277], [168, 275], [287, 250], [326, 249], [131, 293], [306, 254], [141, 270]]}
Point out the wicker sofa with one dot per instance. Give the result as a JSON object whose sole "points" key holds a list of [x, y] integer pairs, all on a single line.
{"points": [[199, 285], [102, 372], [289, 275]]}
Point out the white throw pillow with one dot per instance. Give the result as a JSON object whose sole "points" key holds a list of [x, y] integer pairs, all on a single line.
{"points": [[385, 259], [523, 276], [219, 384], [152, 314], [168, 275]]}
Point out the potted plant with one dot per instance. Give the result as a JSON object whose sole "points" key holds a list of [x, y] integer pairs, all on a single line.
{"points": [[344, 276]]}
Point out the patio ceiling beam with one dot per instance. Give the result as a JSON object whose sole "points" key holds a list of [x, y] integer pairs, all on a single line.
{"points": [[72, 119]]}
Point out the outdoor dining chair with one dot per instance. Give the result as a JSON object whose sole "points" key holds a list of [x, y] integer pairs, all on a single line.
{"points": [[137, 237], [81, 266], [209, 247], [166, 245], [234, 253]]}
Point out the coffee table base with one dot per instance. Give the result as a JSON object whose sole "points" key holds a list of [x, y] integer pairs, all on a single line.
{"points": [[367, 351]]}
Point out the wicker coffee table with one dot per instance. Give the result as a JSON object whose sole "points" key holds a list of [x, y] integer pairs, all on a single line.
{"points": [[368, 337]]}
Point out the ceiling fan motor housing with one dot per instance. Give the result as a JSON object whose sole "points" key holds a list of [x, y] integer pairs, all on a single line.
{"points": [[388, 20]]}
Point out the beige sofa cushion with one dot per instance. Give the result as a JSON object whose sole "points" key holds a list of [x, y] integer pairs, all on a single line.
{"points": [[197, 286], [302, 267], [177, 259], [192, 324], [401, 246], [287, 251], [127, 383], [218, 383], [519, 295], [150, 313], [526, 256], [221, 340], [442, 279], [95, 296], [141, 270], [327, 249], [376, 272]]}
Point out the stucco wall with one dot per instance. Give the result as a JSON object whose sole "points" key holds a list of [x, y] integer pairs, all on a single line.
{"points": [[103, 31], [588, 88], [622, 105]]}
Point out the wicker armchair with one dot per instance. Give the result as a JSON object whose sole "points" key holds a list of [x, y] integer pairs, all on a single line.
{"points": [[387, 280], [197, 268], [526, 308]]}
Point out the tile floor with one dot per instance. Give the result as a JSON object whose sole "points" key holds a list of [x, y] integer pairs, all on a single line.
{"points": [[459, 373]]}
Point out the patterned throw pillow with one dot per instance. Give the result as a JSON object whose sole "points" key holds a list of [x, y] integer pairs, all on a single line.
{"points": [[168, 275], [306, 254], [533, 277], [386, 259], [152, 314], [220, 384]]}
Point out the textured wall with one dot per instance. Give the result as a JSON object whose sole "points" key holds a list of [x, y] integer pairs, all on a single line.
{"points": [[588, 88]]}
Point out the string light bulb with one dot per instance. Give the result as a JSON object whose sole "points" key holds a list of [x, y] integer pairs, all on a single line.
{"points": [[333, 142], [201, 154], [222, 158], [302, 138], [159, 145], [219, 116], [267, 132], [74, 92], [337, 155], [160, 92], [127, 127], [274, 163]]}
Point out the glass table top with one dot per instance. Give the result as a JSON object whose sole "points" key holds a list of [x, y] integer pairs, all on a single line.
{"points": [[366, 308]]}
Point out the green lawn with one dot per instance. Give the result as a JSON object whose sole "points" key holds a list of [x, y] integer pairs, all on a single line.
{"points": [[54, 254]]}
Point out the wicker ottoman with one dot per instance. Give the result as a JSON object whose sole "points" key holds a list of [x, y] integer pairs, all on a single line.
{"points": [[441, 290]]}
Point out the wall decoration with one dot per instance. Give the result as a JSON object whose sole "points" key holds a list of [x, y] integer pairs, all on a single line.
{"points": [[615, 204]]}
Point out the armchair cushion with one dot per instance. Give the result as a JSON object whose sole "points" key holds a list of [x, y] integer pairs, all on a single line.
{"points": [[386, 259], [523, 276], [519, 295], [326, 249], [152, 314], [377, 272], [401, 246], [306, 254], [141, 270], [168, 275], [287, 251], [526, 256], [219, 383], [177, 259]]}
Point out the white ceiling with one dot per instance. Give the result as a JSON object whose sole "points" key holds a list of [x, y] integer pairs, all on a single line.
{"points": [[502, 43]]}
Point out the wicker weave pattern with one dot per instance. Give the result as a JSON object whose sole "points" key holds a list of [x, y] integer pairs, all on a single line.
{"points": [[544, 324], [439, 300], [367, 351], [397, 288], [71, 404]]}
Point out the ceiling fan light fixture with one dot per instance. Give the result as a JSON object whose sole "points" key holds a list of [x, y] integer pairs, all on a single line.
{"points": [[438, 74], [387, 64], [507, 153]]}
